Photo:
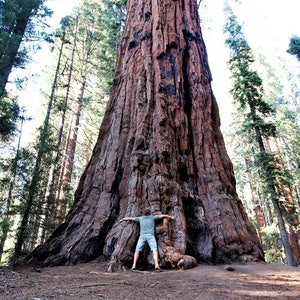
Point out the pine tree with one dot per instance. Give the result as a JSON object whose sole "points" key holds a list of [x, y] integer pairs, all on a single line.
{"points": [[15, 172], [15, 20], [78, 83], [92, 31], [257, 114], [9, 114]]}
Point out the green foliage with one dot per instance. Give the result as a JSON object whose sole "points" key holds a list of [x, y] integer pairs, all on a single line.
{"points": [[269, 179], [271, 164], [18, 26], [289, 133], [294, 47], [9, 113], [15, 176], [4, 225], [84, 52], [272, 242], [247, 90]]}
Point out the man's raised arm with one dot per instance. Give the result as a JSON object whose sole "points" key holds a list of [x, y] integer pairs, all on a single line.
{"points": [[127, 219], [167, 217]]}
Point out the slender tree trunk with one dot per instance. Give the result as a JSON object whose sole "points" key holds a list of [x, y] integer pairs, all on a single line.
{"points": [[159, 147], [287, 206], [21, 236], [260, 219], [275, 201], [294, 241], [289, 203], [22, 233], [68, 159], [55, 174], [296, 193], [9, 200], [49, 205], [291, 166], [283, 233], [68, 85]]}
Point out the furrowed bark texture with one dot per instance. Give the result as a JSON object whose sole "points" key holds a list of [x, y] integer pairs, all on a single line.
{"points": [[160, 146]]}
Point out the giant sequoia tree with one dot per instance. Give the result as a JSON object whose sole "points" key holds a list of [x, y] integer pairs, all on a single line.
{"points": [[159, 147]]}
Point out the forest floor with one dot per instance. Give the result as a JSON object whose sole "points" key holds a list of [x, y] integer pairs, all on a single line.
{"points": [[90, 281]]}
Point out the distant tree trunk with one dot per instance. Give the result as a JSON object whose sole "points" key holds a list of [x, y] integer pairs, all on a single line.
{"points": [[29, 201], [49, 205], [260, 219], [33, 186], [64, 107], [274, 198], [9, 202], [67, 83], [159, 147], [287, 204], [62, 138], [68, 159], [294, 241]]}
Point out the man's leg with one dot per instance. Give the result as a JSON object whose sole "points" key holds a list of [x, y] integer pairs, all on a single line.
{"points": [[138, 249], [155, 257], [153, 246], [135, 258]]}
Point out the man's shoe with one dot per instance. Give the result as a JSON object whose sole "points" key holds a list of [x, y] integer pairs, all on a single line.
{"points": [[157, 270]]}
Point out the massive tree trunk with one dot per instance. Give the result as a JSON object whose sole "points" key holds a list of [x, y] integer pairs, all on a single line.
{"points": [[159, 146]]}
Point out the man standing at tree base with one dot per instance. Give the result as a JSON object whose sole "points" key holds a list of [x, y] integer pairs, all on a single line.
{"points": [[147, 234]]}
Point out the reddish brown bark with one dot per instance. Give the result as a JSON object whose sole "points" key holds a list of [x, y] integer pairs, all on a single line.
{"points": [[159, 146], [294, 241], [260, 219], [287, 203]]}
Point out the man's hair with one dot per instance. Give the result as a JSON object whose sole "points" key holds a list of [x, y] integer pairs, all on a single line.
{"points": [[147, 212]]}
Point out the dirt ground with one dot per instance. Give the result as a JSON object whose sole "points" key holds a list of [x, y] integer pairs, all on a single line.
{"points": [[90, 281]]}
